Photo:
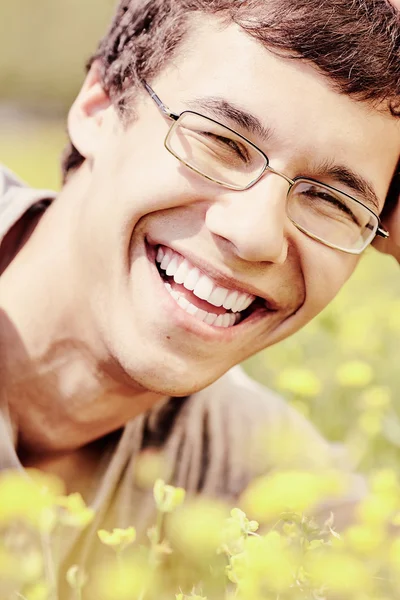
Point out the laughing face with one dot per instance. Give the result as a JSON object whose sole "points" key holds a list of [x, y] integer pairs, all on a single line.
{"points": [[181, 278]]}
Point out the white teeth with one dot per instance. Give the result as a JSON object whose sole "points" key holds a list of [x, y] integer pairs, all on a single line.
{"points": [[210, 319], [201, 314], [219, 320], [183, 303], [166, 259], [203, 287], [160, 255], [192, 279], [173, 266], [191, 309], [224, 320], [237, 304], [218, 296], [182, 272], [246, 300], [228, 319], [243, 302], [231, 300]]}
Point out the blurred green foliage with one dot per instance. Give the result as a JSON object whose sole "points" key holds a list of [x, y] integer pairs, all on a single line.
{"points": [[33, 151], [43, 48]]}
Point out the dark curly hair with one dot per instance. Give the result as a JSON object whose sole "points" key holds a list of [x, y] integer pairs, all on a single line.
{"points": [[354, 43]]}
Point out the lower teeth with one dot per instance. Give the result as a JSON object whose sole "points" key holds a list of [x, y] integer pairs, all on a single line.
{"points": [[224, 320]]}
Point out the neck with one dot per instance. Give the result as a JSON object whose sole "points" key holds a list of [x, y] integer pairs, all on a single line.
{"points": [[59, 381]]}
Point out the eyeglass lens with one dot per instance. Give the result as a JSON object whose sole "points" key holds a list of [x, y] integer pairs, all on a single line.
{"points": [[215, 151], [331, 216]]}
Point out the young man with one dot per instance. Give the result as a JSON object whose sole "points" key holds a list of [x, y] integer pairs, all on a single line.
{"points": [[228, 163]]}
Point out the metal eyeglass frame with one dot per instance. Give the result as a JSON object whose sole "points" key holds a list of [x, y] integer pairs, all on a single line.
{"points": [[175, 117]]}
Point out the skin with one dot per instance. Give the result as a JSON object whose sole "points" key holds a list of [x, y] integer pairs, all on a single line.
{"points": [[102, 340]]}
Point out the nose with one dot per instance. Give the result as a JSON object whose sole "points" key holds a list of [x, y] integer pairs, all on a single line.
{"points": [[253, 221]]}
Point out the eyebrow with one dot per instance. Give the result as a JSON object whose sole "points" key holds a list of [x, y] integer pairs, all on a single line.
{"points": [[352, 180], [222, 109]]}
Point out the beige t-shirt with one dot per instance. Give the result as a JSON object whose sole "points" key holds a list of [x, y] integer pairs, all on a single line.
{"points": [[213, 440]]}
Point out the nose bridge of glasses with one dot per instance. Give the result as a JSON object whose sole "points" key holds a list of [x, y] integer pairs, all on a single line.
{"points": [[275, 172]]}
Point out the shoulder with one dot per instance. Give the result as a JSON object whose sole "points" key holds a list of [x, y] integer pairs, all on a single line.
{"points": [[268, 423], [10, 184], [8, 181], [16, 198], [236, 429]]}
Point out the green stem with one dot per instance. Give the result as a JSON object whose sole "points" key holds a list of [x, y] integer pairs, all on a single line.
{"points": [[78, 592], [49, 565], [159, 525]]}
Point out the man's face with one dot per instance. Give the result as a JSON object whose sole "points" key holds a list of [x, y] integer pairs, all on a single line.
{"points": [[138, 198]]}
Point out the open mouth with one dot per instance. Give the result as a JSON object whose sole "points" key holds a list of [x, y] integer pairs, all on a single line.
{"points": [[200, 296]]}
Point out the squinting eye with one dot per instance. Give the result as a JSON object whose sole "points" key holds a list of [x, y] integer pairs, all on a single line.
{"points": [[333, 201], [238, 148], [340, 206]]}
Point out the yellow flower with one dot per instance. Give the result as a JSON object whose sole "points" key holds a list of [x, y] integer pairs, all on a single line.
{"points": [[370, 423], [118, 538], [384, 481], [377, 509], [377, 397], [299, 381], [76, 513], [124, 580], [267, 564], [341, 573], [197, 529], [290, 491], [365, 539], [167, 497], [76, 577], [149, 467], [355, 374], [37, 591], [245, 525], [27, 496]]}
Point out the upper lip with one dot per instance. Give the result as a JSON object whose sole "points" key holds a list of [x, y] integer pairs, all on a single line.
{"points": [[222, 279]]}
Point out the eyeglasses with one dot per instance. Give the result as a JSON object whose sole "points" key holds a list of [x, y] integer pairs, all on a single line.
{"points": [[227, 158]]}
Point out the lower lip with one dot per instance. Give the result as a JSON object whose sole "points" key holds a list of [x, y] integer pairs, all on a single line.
{"points": [[192, 325]]}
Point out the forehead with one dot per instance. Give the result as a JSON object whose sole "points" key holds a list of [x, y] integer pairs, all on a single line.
{"points": [[309, 123]]}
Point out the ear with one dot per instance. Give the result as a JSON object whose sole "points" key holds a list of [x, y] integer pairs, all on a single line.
{"points": [[87, 113]]}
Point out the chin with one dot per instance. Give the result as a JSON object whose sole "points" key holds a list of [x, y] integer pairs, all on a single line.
{"points": [[171, 377]]}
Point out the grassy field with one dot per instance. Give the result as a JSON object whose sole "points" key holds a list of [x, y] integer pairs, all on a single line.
{"points": [[341, 371]]}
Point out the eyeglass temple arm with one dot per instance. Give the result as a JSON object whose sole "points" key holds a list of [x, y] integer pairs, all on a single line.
{"points": [[164, 109], [382, 233]]}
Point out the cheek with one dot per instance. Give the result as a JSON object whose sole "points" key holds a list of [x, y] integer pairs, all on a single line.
{"points": [[148, 183], [325, 272]]}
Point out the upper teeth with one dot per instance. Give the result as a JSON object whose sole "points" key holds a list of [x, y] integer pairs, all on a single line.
{"points": [[200, 284]]}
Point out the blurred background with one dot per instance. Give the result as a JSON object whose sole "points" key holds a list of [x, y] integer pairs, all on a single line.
{"points": [[342, 371]]}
